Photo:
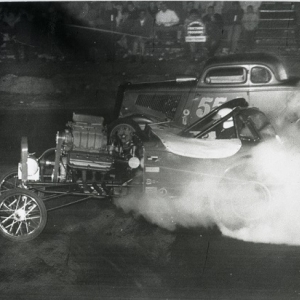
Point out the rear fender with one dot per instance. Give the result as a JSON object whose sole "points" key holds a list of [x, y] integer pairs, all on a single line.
{"points": [[141, 120]]}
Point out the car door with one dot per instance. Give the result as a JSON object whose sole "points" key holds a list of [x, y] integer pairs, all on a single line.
{"points": [[216, 86]]}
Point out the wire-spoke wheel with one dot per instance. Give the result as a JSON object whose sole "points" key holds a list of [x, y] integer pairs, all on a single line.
{"points": [[242, 199], [9, 180], [122, 131], [246, 203], [23, 215]]}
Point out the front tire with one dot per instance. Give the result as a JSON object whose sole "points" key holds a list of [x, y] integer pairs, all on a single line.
{"points": [[23, 215], [121, 132]]}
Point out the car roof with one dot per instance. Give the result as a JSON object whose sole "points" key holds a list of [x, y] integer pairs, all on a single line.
{"points": [[269, 60]]}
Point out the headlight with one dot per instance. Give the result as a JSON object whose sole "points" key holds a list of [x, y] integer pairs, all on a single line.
{"points": [[134, 162]]}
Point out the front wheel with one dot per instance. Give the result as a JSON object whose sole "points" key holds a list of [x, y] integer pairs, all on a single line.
{"points": [[122, 131], [23, 215]]}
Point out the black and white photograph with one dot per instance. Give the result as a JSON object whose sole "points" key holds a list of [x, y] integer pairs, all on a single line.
{"points": [[149, 150]]}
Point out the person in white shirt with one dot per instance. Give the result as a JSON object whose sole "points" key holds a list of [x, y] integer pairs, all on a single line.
{"points": [[166, 22], [166, 17]]}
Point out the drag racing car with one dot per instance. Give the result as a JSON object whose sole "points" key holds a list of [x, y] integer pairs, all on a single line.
{"points": [[160, 160]]}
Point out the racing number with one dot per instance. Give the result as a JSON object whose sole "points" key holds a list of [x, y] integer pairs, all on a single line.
{"points": [[206, 104]]}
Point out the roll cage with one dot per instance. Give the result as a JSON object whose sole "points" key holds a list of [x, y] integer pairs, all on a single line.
{"points": [[241, 115]]}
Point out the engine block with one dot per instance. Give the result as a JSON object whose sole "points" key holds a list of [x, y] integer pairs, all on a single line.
{"points": [[90, 161]]}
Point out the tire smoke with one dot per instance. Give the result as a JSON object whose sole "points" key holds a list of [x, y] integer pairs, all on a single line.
{"points": [[280, 224], [265, 208]]}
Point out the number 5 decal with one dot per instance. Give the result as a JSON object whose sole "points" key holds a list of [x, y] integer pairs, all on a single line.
{"points": [[219, 101], [207, 103]]}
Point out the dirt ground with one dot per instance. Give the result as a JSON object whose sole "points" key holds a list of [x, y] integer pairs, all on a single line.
{"points": [[93, 252]]}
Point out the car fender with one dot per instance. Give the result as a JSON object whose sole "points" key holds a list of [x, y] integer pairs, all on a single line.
{"points": [[140, 119]]}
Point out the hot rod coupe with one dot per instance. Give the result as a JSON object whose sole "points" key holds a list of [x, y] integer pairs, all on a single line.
{"points": [[260, 78], [159, 160]]}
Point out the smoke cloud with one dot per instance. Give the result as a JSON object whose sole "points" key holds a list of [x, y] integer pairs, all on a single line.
{"points": [[234, 206], [280, 167], [193, 208]]}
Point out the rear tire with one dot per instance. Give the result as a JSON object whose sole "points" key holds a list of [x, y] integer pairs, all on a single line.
{"points": [[241, 200]]}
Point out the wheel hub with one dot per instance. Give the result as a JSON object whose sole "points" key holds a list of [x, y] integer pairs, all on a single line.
{"points": [[20, 215]]}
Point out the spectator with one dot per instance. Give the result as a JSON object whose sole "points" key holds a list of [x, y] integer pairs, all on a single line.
{"points": [[11, 17], [109, 17], [250, 22], [194, 47], [7, 24], [125, 26], [152, 9], [54, 29], [186, 11], [130, 15], [133, 13], [119, 16], [99, 9], [214, 30], [233, 21], [166, 17], [22, 43], [92, 15], [144, 28]]}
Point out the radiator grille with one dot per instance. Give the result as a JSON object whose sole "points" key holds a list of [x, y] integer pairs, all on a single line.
{"points": [[166, 104]]}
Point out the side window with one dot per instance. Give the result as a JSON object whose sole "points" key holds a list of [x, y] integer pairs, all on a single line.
{"points": [[226, 75], [260, 75]]}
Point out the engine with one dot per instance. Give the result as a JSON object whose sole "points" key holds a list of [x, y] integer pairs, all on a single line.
{"points": [[85, 144], [81, 154]]}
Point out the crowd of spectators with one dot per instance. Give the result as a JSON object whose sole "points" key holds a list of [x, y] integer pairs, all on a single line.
{"points": [[167, 21], [130, 25]]}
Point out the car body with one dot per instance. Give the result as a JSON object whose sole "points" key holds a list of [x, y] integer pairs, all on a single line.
{"points": [[259, 78], [213, 146]]}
